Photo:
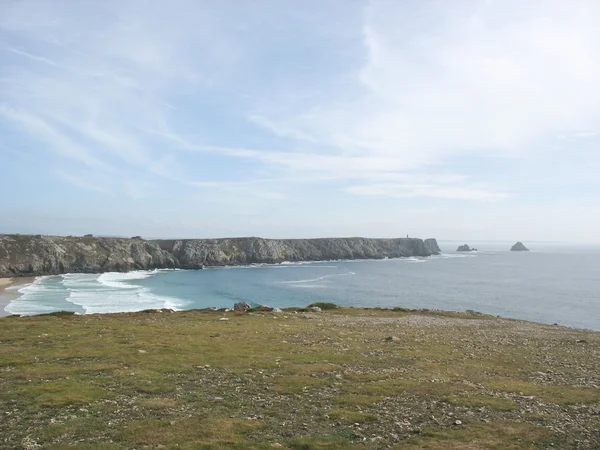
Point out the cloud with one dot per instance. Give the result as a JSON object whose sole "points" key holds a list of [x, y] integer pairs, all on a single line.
{"points": [[368, 99], [427, 190], [480, 78]]}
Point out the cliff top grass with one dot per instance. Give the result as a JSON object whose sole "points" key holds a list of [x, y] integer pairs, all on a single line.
{"points": [[341, 378]]}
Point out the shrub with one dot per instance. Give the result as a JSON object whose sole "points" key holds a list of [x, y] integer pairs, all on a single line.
{"points": [[323, 305]]}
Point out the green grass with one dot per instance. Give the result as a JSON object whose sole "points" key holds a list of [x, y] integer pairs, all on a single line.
{"points": [[502, 435], [158, 379]]}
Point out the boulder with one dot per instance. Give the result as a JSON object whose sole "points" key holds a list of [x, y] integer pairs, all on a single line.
{"points": [[241, 306], [519, 247], [265, 308]]}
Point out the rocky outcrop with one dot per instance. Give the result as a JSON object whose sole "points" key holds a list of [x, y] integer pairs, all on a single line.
{"points": [[25, 255], [465, 248], [519, 247], [432, 246]]}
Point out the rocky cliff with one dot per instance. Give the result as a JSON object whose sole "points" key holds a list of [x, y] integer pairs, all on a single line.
{"points": [[24, 255]]}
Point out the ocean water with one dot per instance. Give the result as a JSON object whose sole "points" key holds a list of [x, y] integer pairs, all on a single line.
{"points": [[551, 284]]}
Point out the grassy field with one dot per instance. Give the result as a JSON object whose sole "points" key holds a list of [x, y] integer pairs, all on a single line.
{"points": [[341, 378]]}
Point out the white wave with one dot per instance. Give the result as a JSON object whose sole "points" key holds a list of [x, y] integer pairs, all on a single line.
{"points": [[117, 279], [453, 255], [110, 292], [33, 288], [37, 297], [312, 280], [122, 300], [283, 265], [412, 259], [91, 293], [15, 287]]}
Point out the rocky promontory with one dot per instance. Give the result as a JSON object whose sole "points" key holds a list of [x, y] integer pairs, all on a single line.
{"points": [[519, 247], [32, 255]]}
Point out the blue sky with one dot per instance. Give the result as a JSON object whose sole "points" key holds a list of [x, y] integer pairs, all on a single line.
{"points": [[301, 119]]}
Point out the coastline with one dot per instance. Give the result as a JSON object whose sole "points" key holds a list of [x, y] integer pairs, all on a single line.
{"points": [[6, 296]]}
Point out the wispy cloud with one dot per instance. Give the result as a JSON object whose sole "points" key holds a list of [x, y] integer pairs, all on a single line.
{"points": [[253, 102]]}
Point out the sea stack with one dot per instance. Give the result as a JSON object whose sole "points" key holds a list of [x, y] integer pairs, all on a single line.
{"points": [[519, 247], [465, 248]]}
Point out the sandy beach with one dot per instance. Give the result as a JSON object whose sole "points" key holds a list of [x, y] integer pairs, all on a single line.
{"points": [[7, 296]]}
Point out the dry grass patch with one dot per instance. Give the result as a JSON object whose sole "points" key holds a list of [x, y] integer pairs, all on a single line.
{"points": [[480, 436], [295, 384], [62, 393], [192, 433], [560, 395]]}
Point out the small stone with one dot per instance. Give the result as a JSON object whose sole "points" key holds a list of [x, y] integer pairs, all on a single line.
{"points": [[581, 341], [276, 445], [224, 319], [457, 422], [315, 309], [392, 339], [142, 351]]}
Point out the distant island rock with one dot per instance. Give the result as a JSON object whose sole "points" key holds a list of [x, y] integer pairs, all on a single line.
{"points": [[465, 248], [33, 255], [519, 247]]}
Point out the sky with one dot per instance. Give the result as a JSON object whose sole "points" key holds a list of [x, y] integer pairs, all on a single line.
{"points": [[467, 120]]}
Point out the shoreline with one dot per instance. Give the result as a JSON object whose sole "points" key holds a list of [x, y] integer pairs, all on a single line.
{"points": [[7, 296], [340, 309]]}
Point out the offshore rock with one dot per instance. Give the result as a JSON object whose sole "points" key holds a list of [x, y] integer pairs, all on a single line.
{"points": [[28, 255], [465, 248], [519, 247]]}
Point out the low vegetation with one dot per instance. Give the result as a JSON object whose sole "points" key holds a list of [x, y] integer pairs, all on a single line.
{"points": [[336, 379]]}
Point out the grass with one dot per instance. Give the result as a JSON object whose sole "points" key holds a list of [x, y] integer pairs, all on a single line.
{"points": [[158, 379], [503, 435]]}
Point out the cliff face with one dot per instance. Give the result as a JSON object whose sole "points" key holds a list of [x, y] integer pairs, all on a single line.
{"points": [[22, 255], [41, 255], [214, 252]]}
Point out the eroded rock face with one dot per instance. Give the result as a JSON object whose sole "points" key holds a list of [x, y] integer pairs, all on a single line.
{"points": [[22, 255], [432, 246], [231, 251], [26, 255], [519, 247]]}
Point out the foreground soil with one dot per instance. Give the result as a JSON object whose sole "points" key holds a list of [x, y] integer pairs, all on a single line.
{"points": [[343, 378]]}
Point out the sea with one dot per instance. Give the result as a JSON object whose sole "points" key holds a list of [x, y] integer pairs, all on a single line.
{"points": [[553, 283]]}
